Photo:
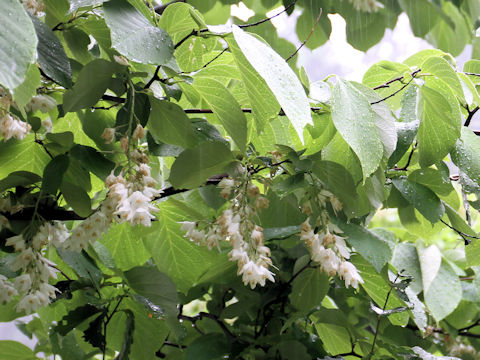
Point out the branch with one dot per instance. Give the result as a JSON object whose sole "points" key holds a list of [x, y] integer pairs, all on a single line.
{"points": [[471, 113], [201, 31], [307, 38], [413, 75], [201, 315], [154, 77], [464, 236], [408, 161], [159, 9]]}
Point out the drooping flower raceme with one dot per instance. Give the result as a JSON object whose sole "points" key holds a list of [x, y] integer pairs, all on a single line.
{"points": [[236, 226]]}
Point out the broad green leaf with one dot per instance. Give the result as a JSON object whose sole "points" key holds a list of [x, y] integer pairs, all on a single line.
{"points": [[77, 198], [51, 56], [473, 67], [264, 104], [306, 22], [170, 125], [472, 253], [74, 318], [439, 125], [53, 174], [430, 260], [433, 179], [149, 282], [423, 15], [459, 223], [177, 21], [406, 133], [405, 259], [18, 178], [83, 265], [354, 119], [444, 292], [92, 160], [93, 80], [377, 288], [277, 131], [280, 232], [336, 339], [308, 289], [125, 245], [134, 36], [183, 261], [17, 45], [128, 336], [195, 52], [372, 247], [194, 166], [13, 350], [469, 90], [422, 198], [279, 77], [26, 155], [225, 107], [26, 90], [441, 68], [465, 154], [209, 346]]}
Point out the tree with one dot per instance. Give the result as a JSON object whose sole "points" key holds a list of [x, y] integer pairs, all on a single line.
{"points": [[178, 190]]}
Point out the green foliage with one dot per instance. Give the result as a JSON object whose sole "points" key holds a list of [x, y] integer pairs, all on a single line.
{"points": [[201, 198]]}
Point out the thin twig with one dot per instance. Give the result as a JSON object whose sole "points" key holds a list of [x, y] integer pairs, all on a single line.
{"points": [[408, 160], [472, 74], [471, 113], [388, 83], [413, 75], [154, 77], [307, 38], [464, 236]]}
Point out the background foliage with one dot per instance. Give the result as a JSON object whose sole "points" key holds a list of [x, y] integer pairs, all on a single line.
{"points": [[220, 101]]}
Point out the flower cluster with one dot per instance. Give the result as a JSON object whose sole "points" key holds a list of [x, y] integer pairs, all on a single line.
{"points": [[331, 252], [36, 269], [236, 226], [34, 7], [44, 103]]}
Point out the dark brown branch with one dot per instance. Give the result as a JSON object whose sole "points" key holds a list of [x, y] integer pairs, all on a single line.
{"points": [[408, 161], [307, 38], [472, 74], [215, 318], [154, 77], [116, 99], [388, 83], [471, 113], [466, 237], [413, 75]]}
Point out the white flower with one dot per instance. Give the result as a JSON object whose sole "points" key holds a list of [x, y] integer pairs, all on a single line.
{"points": [[17, 242], [342, 247], [138, 133], [28, 303], [23, 260], [23, 282], [121, 60], [7, 290], [108, 135], [254, 274], [48, 290], [187, 226], [44, 103], [328, 260], [227, 185], [240, 256], [349, 273], [257, 235], [10, 127]]}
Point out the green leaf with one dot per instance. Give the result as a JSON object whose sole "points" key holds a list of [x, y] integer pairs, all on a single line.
{"points": [[83, 265], [406, 133], [353, 117], [175, 255], [170, 125], [208, 347], [134, 36], [78, 4], [225, 107], [433, 179], [308, 21], [26, 90], [405, 259], [127, 337], [308, 289], [264, 104], [465, 154], [422, 198], [93, 160], [439, 123], [77, 198], [93, 80], [18, 43], [194, 166], [53, 174], [149, 282], [336, 339], [371, 246], [51, 56], [280, 232], [18, 178], [423, 15], [444, 292], [74, 318], [279, 77], [13, 350], [377, 288], [441, 68], [177, 21], [125, 245]]}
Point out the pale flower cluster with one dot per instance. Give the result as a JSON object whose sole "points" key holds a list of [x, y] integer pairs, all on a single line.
{"points": [[235, 225], [34, 7], [36, 269], [367, 5], [13, 128], [330, 251], [44, 103]]}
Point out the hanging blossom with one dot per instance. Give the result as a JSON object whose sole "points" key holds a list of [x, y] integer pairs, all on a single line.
{"points": [[41, 102], [36, 271], [236, 226], [367, 5], [330, 251], [34, 7], [9, 126], [128, 200]]}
